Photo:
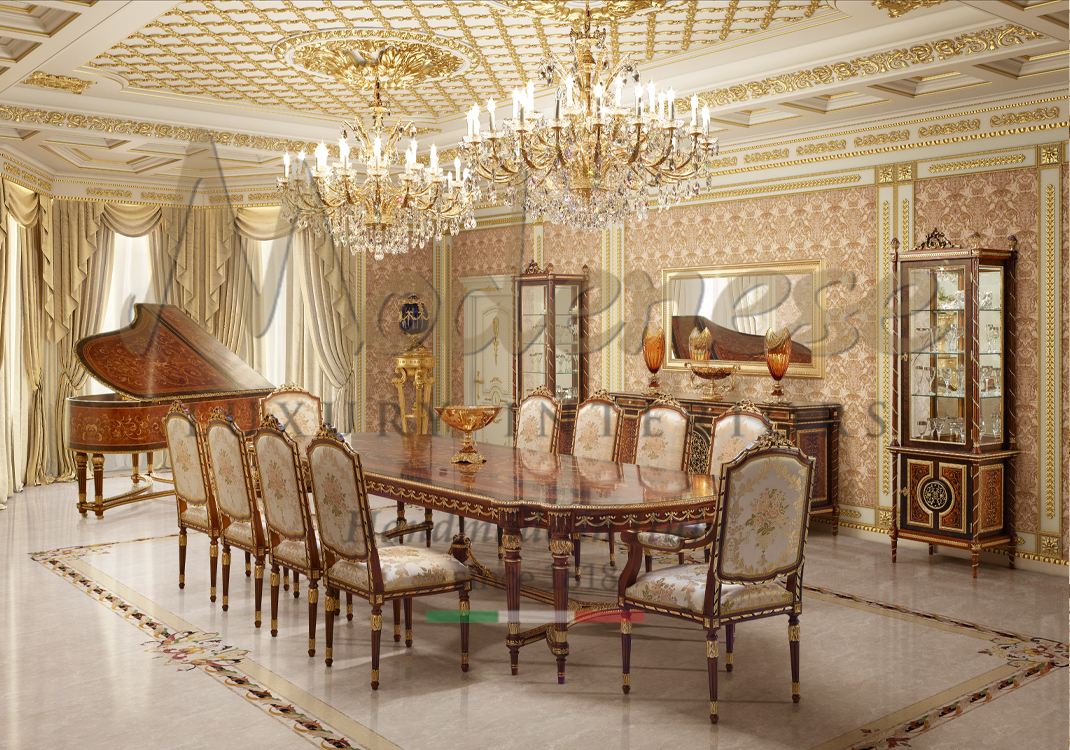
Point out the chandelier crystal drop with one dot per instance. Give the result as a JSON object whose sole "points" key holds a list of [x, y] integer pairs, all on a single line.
{"points": [[594, 162], [384, 210]]}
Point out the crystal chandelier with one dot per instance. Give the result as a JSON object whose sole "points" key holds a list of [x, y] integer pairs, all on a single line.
{"points": [[594, 162], [381, 211]]}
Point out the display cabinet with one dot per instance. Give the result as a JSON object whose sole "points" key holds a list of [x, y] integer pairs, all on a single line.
{"points": [[953, 439], [551, 333]]}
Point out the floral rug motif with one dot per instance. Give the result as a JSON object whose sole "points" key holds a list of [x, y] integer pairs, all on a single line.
{"points": [[194, 650]]}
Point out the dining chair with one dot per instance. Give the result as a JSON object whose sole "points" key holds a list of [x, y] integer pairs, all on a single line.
{"points": [[732, 433], [755, 571], [353, 561], [596, 434], [538, 428], [291, 535], [241, 526], [663, 438], [193, 495]]}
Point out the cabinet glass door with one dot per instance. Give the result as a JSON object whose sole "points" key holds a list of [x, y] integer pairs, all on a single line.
{"points": [[534, 344], [937, 360], [990, 353], [567, 341]]}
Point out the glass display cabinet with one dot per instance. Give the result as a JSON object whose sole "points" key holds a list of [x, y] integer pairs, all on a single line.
{"points": [[953, 439], [551, 333]]}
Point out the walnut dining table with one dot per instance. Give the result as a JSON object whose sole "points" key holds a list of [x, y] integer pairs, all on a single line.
{"points": [[519, 489]]}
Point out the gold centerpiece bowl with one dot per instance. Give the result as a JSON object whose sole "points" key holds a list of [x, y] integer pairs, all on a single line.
{"points": [[468, 419], [715, 377]]}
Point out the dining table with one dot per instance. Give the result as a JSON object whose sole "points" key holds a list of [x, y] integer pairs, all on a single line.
{"points": [[519, 489]]}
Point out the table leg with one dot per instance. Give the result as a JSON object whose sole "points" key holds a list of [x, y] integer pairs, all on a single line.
{"points": [[80, 461], [511, 541], [98, 484], [561, 549]]}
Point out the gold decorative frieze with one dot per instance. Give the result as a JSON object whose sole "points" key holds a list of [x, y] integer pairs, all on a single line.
{"points": [[884, 518], [169, 197], [784, 186], [1021, 118], [877, 63], [32, 180], [949, 128], [58, 83], [848, 513], [226, 198], [893, 136], [820, 148], [98, 192], [257, 197], [727, 161], [558, 11], [1051, 401], [763, 156], [1050, 154], [992, 161], [897, 8]]}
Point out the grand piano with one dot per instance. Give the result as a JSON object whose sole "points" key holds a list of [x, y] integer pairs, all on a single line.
{"points": [[160, 358]]}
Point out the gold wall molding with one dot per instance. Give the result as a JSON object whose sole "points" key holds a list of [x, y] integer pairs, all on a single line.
{"points": [[992, 161], [821, 148], [881, 138], [1049, 545], [786, 187], [848, 513], [169, 197], [108, 192], [57, 83], [949, 128], [728, 161], [1050, 355], [264, 197], [1020, 118], [877, 63], [762, 156], [227, 198], [886, 173], [1051, 154]]}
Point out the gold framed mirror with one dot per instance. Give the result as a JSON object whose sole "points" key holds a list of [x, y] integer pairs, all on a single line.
{"points": [[738, 304]]}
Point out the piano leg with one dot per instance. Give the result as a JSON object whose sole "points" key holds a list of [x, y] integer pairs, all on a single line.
{"points": [[135, 461], [148, 463], [98, 484], [80, 461]]}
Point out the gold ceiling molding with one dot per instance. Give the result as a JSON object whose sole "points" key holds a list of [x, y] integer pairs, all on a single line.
{"points": [[877, 63], [573, 14], [107, 193], [1019, 118], [58, 83], [962, 126], [880, 138], [820, 148], [780, 153], [401, 60], [27, 178], [169, 197], [897, 8]]}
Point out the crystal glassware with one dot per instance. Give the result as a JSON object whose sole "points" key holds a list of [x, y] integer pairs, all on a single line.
{"points": [[996, 426], [960, 381], [958, 430], [925, 334], [986, 301], [952, 337], [986, 375], [946, 374], [777, 359], [938, 426], [992, 337], [468, 419]]}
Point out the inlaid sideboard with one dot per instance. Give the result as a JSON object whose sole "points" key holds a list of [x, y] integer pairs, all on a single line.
{"points": [[813, 427]]}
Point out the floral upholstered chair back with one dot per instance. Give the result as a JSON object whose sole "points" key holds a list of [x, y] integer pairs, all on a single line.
{"points": [[229, 471], [187, 466], [341, 498], [285, 503], [298, 411], [735, 431], [596, 431], [663, 436], [766, 499], [537, 422]]}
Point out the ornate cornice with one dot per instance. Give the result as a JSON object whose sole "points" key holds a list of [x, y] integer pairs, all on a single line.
{"points": [[58, 83]]}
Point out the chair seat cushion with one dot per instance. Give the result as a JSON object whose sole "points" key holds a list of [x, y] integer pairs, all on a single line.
{"points": [[240, 532], [291, 551], [684, 587], [403, 568], [196, 515]]}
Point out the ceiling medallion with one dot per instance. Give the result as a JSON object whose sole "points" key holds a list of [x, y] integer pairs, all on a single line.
{"points": [[357, 56], [573, 12], [897, 8], [58, 83]]}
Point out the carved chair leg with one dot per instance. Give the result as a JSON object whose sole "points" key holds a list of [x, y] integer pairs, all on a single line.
{"points": [[612, 549], [576, 553], [213, 557], [349, 606], [501, 549], [297, 585], [465, 608], [680, 558], [793, 645], [377, 633], [226, 575], [258, 587], [248, 564], [648, 562], [397, 620], [408, 622], [711, 665], [313, 610], [626, 649], [730, 645], [329, 615], [274, 599], [182, 557], [285, 579], [428, 519]]}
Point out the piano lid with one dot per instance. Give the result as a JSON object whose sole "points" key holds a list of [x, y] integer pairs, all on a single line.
{"points": [[163, 355]]}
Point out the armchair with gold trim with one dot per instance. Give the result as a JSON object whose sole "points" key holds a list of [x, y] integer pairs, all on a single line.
{"points": [[597, 435], [755, 571]]}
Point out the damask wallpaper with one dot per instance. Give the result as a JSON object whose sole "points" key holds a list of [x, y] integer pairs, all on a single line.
{"points": [[998, 204], [1064, 359]]}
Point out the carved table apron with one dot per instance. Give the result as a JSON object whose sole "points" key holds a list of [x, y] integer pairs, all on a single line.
{"points": [[518, 489]]}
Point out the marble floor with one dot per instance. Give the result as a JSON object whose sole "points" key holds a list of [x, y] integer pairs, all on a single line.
{"points": [[85, 655]]}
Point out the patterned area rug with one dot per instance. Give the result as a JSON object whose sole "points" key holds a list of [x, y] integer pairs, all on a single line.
{"points": [[1022, 659]]}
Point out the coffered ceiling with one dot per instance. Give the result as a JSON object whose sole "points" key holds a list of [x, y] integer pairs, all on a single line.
{"points": [[169, 93]]}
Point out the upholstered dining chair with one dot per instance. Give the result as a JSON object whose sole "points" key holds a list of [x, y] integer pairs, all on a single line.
{"points": [[354, 563], [241, 526], [596, 434], [759, 539], [733, 432], [537, 428], [193, 495], [291, 535], [663, 438]]}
